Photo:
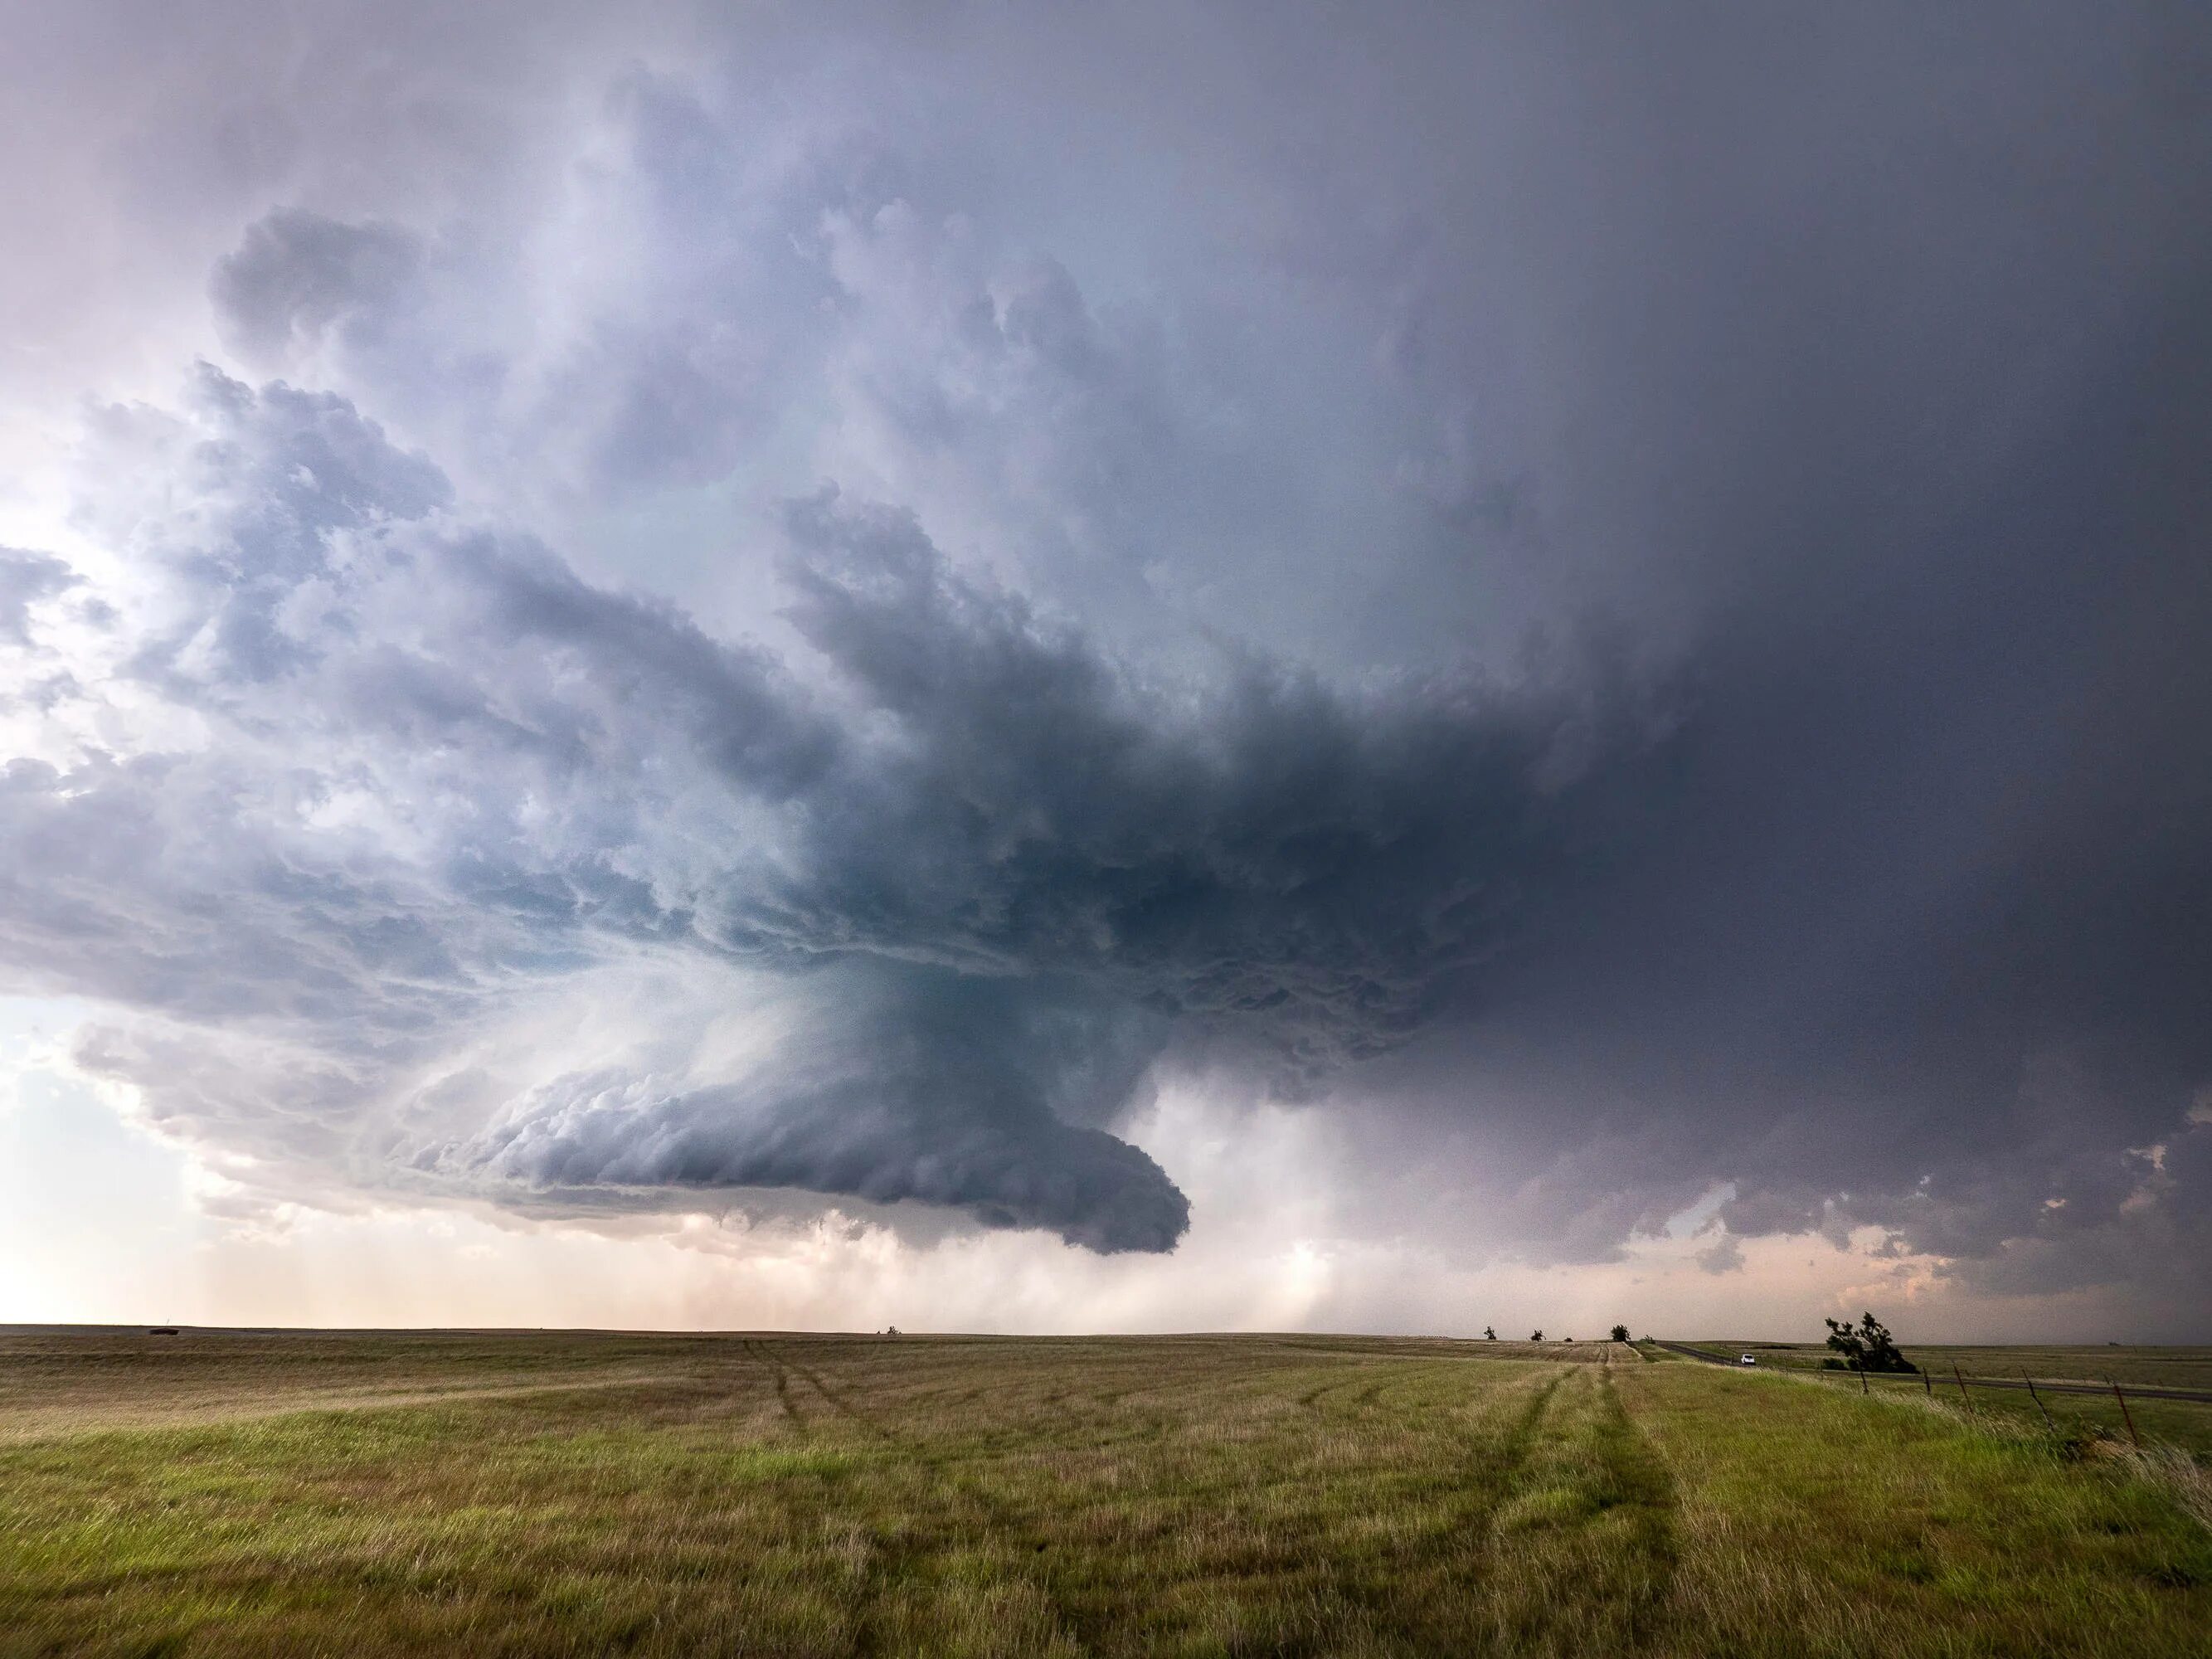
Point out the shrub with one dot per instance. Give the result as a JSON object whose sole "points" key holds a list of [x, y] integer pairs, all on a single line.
{"points": [[1866, 1347]]}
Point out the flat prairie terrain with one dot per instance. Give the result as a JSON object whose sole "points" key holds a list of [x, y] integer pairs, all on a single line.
{"points": [[2174, 1367], [512, 1494], [2181, 1423]]}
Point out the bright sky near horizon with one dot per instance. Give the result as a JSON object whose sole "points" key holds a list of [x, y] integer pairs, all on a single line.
{"points": [[1107, 668]]}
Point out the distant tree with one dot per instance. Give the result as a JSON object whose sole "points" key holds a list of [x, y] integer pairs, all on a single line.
{"points": [[1536, 1336], [1490, 1333], [1620, 1333], [1864, 1347]]}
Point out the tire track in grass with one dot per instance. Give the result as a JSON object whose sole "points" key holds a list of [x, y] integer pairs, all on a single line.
{"points": [[901, 1550], [1091, 1427], [1520, 1441], [1637, 1485], [1588, 1532], [899, 1547], [1504, 1461], [839, 1403], [905, 1555], [1095, 1419], [761, 1352], [1312, 1398], [1404, 1607], [1146, 1425], [1280, 1485], [902, 1553], [1406, 1391]]}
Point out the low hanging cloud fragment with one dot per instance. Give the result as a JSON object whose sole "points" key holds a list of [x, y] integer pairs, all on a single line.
{"points": [[894, 1083], [297, 273]]}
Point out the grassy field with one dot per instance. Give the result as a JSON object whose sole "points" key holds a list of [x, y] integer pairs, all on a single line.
{"points": [[524, 1494], [2152, 1367], [2183, 1424]]}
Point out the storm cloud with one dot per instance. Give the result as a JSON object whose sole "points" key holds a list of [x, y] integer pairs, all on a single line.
{"points": [[1618, 607], [977, 876]]}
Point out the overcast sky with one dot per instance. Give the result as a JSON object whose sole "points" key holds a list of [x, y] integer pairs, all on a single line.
{"points": [[1383, 667]]}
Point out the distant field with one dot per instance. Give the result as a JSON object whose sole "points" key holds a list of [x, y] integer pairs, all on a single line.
{"points": [[574, 1494], [2171, 1424], [2176, 1423], [2160, 1367]]}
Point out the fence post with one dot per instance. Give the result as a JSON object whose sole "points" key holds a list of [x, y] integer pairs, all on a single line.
{"points": [[1862, 1381], [2040, 1406], [1928, 1382], [1963, 1394], [2126, 1415]]}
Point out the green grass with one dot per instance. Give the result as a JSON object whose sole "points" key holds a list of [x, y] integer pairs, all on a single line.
{"points": [[2186, 1425], [2169, 1367], [369, 1495]]}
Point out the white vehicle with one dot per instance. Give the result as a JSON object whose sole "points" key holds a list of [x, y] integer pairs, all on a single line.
{"points": [[1746, 1359]]}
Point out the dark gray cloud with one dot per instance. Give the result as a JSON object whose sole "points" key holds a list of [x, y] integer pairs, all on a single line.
{"points": [[26, 579], [981, 878], [1613, 600], [889, 1091], [297, 273]]}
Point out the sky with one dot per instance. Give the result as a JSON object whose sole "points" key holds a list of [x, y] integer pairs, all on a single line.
{"points": [[1127, 667]]}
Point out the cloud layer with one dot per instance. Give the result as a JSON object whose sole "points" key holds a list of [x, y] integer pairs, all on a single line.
{"points": [[820, 609], [974, 877]]}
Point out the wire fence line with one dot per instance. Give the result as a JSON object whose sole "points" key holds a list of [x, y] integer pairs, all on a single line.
{"points": [[2024, 1383]]}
